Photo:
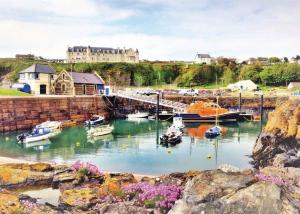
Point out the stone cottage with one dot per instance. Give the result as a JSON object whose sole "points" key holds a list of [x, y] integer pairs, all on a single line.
{"points": [[40, 77], [74, 83]]}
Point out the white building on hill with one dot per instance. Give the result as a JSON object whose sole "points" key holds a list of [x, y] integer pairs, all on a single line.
{"points": [[203, 59]]}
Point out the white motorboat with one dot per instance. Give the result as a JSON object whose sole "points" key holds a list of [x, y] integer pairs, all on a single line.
{"points": [[173, 136], [95, 120], [37, 134], [55, 127], [100, 130], [138, 115], [177, 123]]}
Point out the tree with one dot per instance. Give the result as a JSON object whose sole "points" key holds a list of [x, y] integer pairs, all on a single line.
{"points": [[251, 72], [228, 76], [285, 59], [273, 60]]}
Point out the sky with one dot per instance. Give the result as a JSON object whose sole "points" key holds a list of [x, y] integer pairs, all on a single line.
{"points": [[159, 29]]}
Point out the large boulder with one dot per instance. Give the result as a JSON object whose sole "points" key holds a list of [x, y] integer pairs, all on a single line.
{"points": [[19, 175], [279, 143]]}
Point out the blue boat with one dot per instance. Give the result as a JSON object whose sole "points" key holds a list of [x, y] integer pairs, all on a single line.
{"points": [[213, 132]]}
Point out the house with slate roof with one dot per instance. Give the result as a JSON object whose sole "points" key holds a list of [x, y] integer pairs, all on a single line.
{"points": [[40, 77], [203, 59], [74, 83]]}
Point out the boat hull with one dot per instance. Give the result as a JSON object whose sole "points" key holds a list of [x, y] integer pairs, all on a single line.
{"points": [[222, 118], [29, 139]]}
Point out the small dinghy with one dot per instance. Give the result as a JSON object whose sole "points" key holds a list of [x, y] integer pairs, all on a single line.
{"points": [[138, 115], [94, 120], [172, 136], [100, 130], [37, 134], [55, 127], [213, 132]]}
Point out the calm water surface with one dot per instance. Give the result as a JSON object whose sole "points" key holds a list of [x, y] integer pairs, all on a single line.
{"points": [[134, 147]]}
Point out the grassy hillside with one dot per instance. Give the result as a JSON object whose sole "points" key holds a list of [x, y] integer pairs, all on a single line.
{"points": [[12, 92], [168, 73]]}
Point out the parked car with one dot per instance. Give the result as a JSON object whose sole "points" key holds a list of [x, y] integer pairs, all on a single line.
{"points": [[147, 92], [188, 92]]}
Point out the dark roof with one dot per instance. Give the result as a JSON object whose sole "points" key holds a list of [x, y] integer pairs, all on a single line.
{"points": [[203, 56], [39, 68], [97, 49], [86, 78]]}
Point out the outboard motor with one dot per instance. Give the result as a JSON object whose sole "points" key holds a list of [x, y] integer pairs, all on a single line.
{"points": [[21, 137]]}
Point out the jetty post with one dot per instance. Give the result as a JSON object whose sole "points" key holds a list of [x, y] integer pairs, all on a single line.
{"points": [[261, 106], [157, 106], [240, 101]]}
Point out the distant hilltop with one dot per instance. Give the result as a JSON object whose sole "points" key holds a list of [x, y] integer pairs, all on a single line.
{"points": [[78, 54]]}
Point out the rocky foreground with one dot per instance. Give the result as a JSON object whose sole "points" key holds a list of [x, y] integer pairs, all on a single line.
{"points": [[272, 186]]}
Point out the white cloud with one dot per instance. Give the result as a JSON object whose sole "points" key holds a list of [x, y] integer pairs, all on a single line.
{"points": [[178, 29]]}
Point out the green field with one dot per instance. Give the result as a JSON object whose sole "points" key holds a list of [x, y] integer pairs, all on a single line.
{"points": [[12, 92]]}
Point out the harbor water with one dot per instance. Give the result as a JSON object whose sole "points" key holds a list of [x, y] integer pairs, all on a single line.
{"points": [[134, 147]]}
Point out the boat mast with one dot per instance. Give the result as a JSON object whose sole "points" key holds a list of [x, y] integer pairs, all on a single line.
{"points": [[217, 110]]}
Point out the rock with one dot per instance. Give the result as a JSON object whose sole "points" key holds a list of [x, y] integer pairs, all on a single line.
{"points": [[41, 167], [261, 197], [279, 144], [213, 184], [63, 178], [123, 208], [228, 168], [18, 175], [9, 202], [123, 178]]}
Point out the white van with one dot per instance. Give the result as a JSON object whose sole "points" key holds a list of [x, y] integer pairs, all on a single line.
{"points": [[188, 92]]}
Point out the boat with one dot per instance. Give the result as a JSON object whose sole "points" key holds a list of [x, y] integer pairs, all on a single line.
{"points": [[94, 120], [37, 134], [100, 130], [205, 112], [213, 132], [172, 136], [55, 127], [138, 115], [177, 123], [216, 130]]}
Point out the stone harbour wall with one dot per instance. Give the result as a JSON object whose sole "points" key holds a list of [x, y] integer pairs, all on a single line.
{"points": [[19, 113]]}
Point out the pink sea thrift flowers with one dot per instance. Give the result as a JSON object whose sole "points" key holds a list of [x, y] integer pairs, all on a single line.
{"points": [[91, 168], [273, 179], [162, 196]]}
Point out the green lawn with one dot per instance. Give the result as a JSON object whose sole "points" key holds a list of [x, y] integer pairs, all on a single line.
{"points": [[12, 92]]}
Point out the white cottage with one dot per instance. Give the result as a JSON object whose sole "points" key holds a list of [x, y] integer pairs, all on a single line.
{"points": [[40, 77], [203, 59]]}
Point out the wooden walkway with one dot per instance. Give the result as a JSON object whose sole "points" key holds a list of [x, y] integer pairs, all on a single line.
{"points": [[177, 106]]}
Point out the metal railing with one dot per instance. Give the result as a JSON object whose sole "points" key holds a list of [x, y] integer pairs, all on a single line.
{"points": [[177, 106]]}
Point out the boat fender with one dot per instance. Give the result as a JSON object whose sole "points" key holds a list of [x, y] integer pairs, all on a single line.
{"points": [[209, 156], [169, 151], [77, 144]]}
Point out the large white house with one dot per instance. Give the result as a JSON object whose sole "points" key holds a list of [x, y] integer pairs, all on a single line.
{"points": [[203, 59], [40, 77]]}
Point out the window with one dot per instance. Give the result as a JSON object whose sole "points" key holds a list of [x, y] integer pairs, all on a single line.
{"points": [[63, 76], [31, 76], [36, 76], [52, 76], [22, 76]]}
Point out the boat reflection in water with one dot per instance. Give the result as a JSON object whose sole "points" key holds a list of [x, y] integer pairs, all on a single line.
{"points": [[198, 130], [37, 145], [97, 139]]}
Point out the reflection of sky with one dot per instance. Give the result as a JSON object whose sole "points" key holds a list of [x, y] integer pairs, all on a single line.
{"points": [[138, 151]]}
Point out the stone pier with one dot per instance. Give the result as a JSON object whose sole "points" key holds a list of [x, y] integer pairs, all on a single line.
{"points": [[17, 113]]}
